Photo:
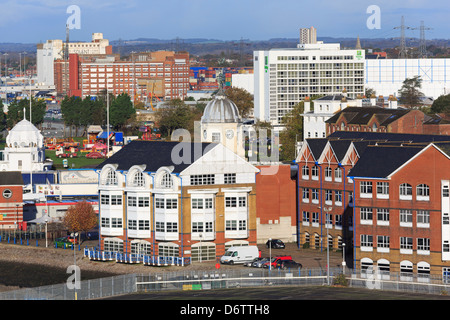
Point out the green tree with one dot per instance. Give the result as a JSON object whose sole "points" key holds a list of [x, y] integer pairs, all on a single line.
{"points": [[243, 100], [441, 104], [71, 108], [293, 132], [175, 114], [17, 108], [410, 93], [121, 111]]}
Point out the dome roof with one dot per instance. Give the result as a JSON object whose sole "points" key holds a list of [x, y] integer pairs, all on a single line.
{"points": [[23, 134], [221, 109]]}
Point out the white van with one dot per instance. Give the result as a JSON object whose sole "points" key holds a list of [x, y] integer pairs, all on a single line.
{"points": [[240, 254]]}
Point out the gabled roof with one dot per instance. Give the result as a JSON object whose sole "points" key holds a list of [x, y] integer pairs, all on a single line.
{"points": [[156, 154], [381, 161], [362, 115], [316, 145], [340, 148]]}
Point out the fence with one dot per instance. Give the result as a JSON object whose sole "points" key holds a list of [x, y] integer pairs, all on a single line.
{"points": [[215, 279]]}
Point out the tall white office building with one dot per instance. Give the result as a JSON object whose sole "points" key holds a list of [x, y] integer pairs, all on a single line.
{"points": [[284, 77]]}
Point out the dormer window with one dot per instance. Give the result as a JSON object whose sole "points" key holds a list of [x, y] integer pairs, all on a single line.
{"points": [[166, 181], [111, 178], [138, 179]]}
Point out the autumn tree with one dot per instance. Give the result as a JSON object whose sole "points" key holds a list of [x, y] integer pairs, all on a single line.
{"points": [[243, 100], [80, 217]]}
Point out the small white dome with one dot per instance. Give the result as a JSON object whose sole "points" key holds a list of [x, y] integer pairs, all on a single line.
{"points": [[23, 134], [220, 110]]}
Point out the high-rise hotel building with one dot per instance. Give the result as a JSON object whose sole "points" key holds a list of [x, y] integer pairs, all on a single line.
{"points": [[284, 77]]}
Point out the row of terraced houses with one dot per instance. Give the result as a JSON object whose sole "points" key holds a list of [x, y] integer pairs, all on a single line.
{"points": [[384, 195]]}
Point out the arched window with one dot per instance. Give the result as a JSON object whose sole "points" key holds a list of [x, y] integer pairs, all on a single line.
{"points": [[111, 178], [138, 179], [166, 181]]}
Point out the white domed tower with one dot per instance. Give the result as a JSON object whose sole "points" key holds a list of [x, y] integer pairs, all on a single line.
{"points": [[221, 123], [24, 150]]}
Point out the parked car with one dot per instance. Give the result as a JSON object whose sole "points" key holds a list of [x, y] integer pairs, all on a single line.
{"points": [[60, 242], [250, 263], [260, 263], [276, 260], [289, 264], [275, 244]]}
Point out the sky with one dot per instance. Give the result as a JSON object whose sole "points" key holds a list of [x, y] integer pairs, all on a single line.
{"points": [[33, 21]]}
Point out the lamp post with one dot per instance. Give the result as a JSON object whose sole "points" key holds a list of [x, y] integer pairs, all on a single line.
{"points": [[46, 239], [343, 258], [327, 209], [270, 254]]}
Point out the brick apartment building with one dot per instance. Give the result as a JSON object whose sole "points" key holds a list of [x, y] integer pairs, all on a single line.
{"points": [[382, 119], [162, 75], [328, 199], [401, 209]]}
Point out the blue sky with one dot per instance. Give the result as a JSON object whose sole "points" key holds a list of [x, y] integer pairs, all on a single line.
{"points": [[32, 21]]}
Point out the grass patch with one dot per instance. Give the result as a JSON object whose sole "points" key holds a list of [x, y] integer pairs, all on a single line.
{"points": [[74, 163]]}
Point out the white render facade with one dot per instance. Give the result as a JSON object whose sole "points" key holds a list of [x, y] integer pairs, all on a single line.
{"points": [[284, 77], [196, 212]]}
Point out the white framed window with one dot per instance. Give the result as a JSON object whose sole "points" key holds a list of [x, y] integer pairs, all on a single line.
{"points": [[405, 191], [315, 195], [383, 190], [315, 173], [305, 217], [382, 217], [423, 218], [423, 192], [328, 174], [229, 178], [366, 215], [328, 197], [383, 243], [338, 198], [111, 178], [138, 179], [305, 172], [406, 218], [365, 188], [423, 246], [338, 174], [315, 218], [166, 181], [366, 242], [406, 245]]}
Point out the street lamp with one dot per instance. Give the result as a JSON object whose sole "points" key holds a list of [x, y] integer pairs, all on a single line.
{"points": [[343, 258], [270, 254], [46, 239], [327, 209]]}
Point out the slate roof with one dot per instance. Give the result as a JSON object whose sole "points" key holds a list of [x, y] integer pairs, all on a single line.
{"points": [[337, 97], [155, 154], [11, 178], [316, 146], [384, 136], [362, 115], [381, 161], [340, 148]]}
